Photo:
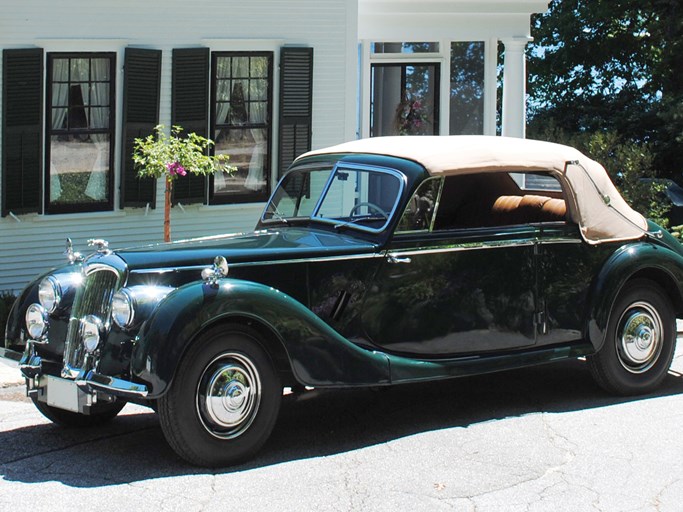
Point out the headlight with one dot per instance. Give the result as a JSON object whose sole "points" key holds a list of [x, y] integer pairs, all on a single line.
{"points": [[49, 293], [122, 310], [36, 321], [131, 306]]}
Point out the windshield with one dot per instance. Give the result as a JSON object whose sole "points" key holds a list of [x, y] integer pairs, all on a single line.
{"points": [[346, 195]]}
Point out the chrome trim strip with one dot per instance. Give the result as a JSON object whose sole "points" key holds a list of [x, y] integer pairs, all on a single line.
{"points": [[265, 262], [461, 247], [554, 241], [470, 246]]}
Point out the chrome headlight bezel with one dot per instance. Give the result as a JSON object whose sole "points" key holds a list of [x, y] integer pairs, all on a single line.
{"points": [[123, 308], [50, 293], [36, 319], [57, 291], [133, 305]]}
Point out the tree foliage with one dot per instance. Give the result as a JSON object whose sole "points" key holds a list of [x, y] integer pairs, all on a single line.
{"points": [[611, 66], [174, 155], [629, 164]]}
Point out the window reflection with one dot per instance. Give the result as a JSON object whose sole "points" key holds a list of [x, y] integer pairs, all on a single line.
{"points": [[241, 124], [405, 99], [80, 132], [467, 88]]}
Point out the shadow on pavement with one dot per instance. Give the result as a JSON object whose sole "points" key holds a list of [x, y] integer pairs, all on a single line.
{"points": [[317, 423]]}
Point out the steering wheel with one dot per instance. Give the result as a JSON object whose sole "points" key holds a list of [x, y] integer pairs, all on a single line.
{"points": [[371, 206]]}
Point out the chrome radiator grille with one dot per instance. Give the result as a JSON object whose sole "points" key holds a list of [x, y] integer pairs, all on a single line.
{"points": [[93, 298]]}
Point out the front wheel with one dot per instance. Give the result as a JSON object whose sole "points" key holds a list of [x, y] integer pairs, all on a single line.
{"points": [[224, 401], [640, 342]]}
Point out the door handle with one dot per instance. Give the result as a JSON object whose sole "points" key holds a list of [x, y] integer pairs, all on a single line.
{"points": [[396, 259]]}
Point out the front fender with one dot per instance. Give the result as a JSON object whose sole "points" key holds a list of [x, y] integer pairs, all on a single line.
{"points": [[649, 260], [317, 354]]}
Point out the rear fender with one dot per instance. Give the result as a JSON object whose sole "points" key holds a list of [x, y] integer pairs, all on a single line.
{"points": [[317, 354], [655, 262]]}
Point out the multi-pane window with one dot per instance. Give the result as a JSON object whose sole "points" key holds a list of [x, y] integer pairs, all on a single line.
{"points": [[241, 124], [80, 131]]}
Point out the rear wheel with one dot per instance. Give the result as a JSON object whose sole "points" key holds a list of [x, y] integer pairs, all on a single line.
{"points": [[100, 414], [640, 343], [224, 401]]}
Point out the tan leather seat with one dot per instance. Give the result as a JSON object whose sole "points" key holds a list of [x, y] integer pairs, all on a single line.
{"points": [[508, 210], [555, 209]]}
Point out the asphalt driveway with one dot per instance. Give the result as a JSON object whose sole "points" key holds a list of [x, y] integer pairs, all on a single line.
{"points": [[544, 438]]}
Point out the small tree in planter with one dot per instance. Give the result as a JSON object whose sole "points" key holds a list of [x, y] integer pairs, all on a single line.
{"points": [[171, 156]]}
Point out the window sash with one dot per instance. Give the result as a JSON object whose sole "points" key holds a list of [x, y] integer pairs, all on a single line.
{"points": [[242, 110], [80, 107]]}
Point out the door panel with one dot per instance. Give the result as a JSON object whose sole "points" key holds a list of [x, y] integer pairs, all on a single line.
{"points": [[566, 267], [465, 291]]}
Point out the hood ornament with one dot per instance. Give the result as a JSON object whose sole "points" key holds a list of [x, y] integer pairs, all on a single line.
{"points": [[100, 244], [212, 274], [72, 256]]}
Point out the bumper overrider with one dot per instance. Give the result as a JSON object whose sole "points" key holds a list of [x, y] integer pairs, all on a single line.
{"points": [[82, 299]]}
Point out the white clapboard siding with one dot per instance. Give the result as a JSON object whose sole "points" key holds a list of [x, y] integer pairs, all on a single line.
{"points": [[33, 243]]}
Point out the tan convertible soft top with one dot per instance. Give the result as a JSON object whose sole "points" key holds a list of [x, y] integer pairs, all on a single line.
{"points": [[593, 202]]}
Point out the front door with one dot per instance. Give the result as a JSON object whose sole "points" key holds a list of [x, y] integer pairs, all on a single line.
{"points": [[454, 292]]}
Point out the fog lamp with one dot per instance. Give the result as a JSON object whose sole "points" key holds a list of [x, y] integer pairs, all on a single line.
{"points": [[91, 327], [36, 321]]}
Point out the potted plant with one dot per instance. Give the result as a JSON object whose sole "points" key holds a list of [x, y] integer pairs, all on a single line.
{"points": [[160, 154]]}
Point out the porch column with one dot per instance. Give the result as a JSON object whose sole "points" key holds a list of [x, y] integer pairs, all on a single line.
{"points": [[514, 87]]}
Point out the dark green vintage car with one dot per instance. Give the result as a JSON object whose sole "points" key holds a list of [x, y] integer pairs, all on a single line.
{"points": [[376, 262]]}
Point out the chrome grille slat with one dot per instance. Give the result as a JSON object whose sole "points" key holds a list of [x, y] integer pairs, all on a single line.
{"points": [[93, 298]]}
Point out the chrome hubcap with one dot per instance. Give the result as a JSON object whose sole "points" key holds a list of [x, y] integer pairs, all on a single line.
{"points": [[228, 395], [639, 337]]}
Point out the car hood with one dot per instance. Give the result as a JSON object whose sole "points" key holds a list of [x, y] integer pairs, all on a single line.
{"points": [[258, 246]]}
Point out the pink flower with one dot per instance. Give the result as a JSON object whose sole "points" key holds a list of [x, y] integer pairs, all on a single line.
{"points": [[175, 168]]}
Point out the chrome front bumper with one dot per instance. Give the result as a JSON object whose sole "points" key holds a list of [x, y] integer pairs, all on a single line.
{"points": [[72, 395]]}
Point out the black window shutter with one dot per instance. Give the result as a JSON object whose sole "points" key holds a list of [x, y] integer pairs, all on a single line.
{"points": [[190, 109], [141, 86], [22, 130], [296, 99]]}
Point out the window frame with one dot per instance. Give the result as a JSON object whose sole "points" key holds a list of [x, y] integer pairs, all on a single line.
{"points": [[437, 230], [107, 205], [245, 197], [403, 65]]}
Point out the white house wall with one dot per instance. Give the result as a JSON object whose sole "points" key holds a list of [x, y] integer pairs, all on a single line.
{"points": [[31, 243]]}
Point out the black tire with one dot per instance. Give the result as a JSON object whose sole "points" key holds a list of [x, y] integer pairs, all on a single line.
{"points": [[99, 414], [221, 432], [640, 342]]}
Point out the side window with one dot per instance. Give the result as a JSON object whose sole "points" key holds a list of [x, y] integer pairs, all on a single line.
{"points": [[419, 213], [497, 199]]}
